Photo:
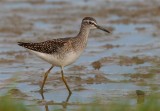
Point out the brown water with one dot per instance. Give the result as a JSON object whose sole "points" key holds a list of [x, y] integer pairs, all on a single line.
{"points": [[129, 57]]}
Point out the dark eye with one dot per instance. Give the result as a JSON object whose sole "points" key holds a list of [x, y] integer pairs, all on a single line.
{"points": [[90, 23]]}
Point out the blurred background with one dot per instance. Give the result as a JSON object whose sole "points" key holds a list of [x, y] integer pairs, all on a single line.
{"points": [[112, 67]]}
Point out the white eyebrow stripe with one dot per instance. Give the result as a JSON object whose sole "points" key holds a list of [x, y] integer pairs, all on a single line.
{"points": [[89, 21], [93, 22], [86, 20]]}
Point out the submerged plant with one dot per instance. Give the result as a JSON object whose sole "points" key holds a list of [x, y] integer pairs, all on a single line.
{"points": [[8, 104]]}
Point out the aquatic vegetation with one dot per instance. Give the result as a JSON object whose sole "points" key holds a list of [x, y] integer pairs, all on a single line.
{"points": [[151, 104], [8, 104]]}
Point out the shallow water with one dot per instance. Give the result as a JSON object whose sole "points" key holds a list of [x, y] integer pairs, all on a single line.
{"points": [[131, 49]]}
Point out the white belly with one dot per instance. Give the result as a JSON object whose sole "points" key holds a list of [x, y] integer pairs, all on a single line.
{"points": [[68, 58]]}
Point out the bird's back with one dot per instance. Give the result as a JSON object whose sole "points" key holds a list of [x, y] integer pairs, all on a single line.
{"points": [[48, 47]]}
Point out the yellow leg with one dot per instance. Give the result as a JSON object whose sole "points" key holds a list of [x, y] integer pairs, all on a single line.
{"points": [[45, 77], [63, 78]]}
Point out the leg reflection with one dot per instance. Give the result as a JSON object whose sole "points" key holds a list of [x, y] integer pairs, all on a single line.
{"points": [[63, 103], [46, 105]]}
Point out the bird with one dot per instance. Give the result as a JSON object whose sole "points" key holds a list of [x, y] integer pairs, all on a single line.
{"points": [[62, 52]]}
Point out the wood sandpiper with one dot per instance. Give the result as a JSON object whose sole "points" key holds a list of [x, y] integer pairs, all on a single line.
{"points": [[62, 52]]}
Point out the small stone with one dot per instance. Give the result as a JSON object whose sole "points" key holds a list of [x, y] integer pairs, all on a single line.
{"points": [[96, 65]]}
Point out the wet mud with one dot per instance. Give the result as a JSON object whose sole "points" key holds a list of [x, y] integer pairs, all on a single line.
{"points": [[112, 67]]}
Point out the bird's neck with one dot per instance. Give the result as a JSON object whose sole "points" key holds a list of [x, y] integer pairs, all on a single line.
{"points": [[83, 33]]}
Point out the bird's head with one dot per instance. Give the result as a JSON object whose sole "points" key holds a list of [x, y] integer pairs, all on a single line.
{"points": [[91, 23]]}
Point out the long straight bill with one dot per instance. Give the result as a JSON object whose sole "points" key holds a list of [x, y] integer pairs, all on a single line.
{"points": [[101, 28]]}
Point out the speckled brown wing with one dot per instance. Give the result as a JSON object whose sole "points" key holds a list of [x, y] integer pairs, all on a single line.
{"points": [[48, 47]]}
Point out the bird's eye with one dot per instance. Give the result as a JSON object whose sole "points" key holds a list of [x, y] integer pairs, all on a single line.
{"points": [[90, 23]]}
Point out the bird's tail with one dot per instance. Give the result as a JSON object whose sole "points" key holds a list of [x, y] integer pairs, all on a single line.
{"points": [[26, 45], [21, 43]]}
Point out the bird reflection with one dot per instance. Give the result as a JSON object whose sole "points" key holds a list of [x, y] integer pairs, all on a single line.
{"points": [[63, 103]]}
